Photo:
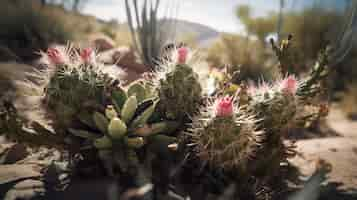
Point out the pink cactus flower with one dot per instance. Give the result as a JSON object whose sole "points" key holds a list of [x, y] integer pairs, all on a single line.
{"points": [[56, 56], [224, 107], [182, 53], [87, 55], [289, 85]]}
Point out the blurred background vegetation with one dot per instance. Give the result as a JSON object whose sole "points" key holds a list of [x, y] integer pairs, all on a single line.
{"points": [[28, 26]]}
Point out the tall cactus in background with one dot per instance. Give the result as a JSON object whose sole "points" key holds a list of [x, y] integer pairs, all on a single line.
{"points": [[148, 38]]}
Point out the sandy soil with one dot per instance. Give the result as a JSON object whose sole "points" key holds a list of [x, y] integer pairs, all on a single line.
{"points": [[340, 151]]}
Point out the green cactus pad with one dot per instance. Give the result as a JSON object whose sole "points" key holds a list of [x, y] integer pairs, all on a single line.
{"points": [[103, 143], [119, 97], [117, 128], [144, 116], [84, 134], [110, 112], [101, 121], [135, 142], [138, 90], [151, 129], [129, 108]]}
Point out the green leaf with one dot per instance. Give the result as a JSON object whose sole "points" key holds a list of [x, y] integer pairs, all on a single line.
{"points": [[151, 129], [144, 116], [103, 143], [87, 119], [101, 121], [143, 106], [84, 134], [117, 128], [135, 142], [129, 108], [118, 98], [138, 90]]}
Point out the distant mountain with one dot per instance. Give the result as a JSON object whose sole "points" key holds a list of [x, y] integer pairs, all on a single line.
{"points": [[204, 35], [179, 29]]}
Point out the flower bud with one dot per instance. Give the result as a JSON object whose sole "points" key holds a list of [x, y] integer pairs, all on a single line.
{"points": [[224, 107], [56, 56]]}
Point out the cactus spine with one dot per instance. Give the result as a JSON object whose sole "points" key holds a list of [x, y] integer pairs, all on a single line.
{"points": [[226, 137], [179, 90]]}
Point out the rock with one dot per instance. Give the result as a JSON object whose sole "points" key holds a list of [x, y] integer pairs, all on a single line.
{"points": [[102, 43], [15, 153], [123, 57], [15, 172], [27, 189], [7, 55]]}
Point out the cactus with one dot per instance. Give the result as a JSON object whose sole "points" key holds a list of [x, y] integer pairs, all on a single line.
{"points": [[148, 37], [276, 106], [75, 86], [313, 83], [225, 136], [179, 90]]}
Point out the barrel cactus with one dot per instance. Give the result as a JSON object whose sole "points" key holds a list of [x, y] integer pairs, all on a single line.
{"points": [[75, 85], [276, 106], [225, 136], [178, 88]]}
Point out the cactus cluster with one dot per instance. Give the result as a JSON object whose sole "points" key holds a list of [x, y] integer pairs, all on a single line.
{"points": [[225, 136], [179, 89], [138, 127]]}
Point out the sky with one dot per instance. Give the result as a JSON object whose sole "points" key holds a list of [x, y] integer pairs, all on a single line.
{"points": [[218, 14]]}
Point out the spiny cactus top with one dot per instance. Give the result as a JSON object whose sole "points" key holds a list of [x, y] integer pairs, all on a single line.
{"points": [[179, 89], [75, 83], [275, 104], [224, 135]]}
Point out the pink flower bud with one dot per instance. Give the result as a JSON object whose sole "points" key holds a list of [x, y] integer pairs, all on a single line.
{"points": [[55, 56], [289, 85], [224, 107], [182, 53], [87, 55]]}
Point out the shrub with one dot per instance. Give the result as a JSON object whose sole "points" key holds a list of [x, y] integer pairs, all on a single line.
{"points": [[27, 28]]}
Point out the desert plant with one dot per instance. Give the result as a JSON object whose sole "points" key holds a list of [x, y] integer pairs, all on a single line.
{"points": [[125, 129], [148, 38], [28, 28], [225, 136], [240, 53], [178, 87], [76, 85], [276, 106]]}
